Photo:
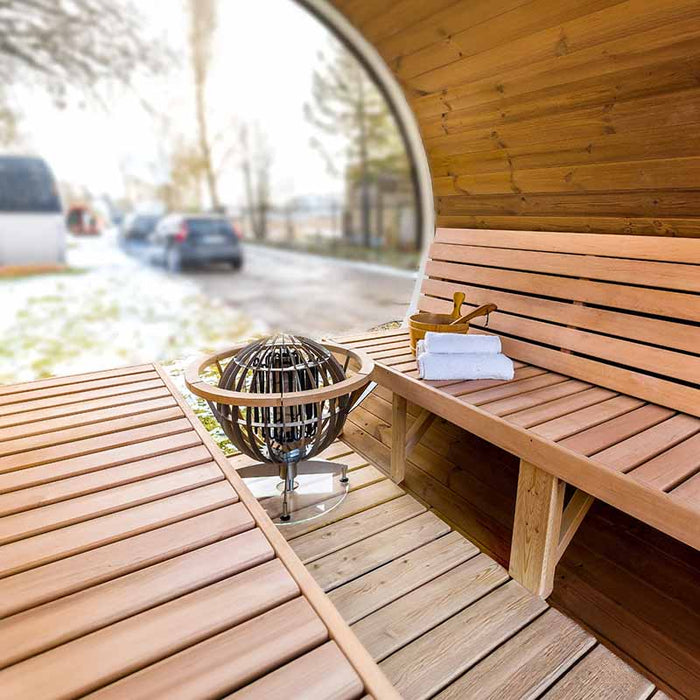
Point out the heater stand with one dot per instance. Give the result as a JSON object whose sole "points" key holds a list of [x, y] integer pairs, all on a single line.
{"points": [[296, 492]]}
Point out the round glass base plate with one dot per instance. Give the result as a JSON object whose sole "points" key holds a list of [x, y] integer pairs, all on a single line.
{"points": [[318, 490]]}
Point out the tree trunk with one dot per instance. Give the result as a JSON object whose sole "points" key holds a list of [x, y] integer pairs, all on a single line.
{"points": [[365, 204], [205, 147]]}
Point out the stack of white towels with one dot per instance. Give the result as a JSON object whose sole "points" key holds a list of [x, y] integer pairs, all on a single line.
{"points": [[461, 356]]}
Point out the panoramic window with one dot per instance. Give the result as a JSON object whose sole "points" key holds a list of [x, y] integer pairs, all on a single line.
{"points": [[190, 183]]}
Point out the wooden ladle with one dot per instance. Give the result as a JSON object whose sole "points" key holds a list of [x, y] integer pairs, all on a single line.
{"points": [[483, 310]]}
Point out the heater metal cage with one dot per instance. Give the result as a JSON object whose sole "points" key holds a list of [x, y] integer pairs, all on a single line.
{"points": [[282, 400]]}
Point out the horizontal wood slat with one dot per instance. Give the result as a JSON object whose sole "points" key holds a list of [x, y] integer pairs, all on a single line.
{"points": [[634, 247], [50, 517], [71, 487], [22, 412], [98, 415], [131, 644], [259, 646], [80, 571], [41, 628], [645, 300], [89, 462], [127, 540], [80, 380], [681, 277], [72, 391], [90, 445], [641, 328], [301, 677]]}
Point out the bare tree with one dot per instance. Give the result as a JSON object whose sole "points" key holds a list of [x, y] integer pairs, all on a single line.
{"points": [[60, 44], [256, 163], [345, 104], [203, 22]]}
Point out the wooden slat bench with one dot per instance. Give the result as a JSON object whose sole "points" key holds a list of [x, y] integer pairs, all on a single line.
{"points": [[605, 334], [135, 563]]}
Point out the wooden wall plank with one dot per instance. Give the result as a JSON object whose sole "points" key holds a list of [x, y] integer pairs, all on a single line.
{"points": [[533, 101]]}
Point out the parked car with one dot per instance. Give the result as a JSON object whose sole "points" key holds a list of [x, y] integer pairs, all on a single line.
{"points": [[196, 239], [138, 227], [81, 220], [32, 227]]}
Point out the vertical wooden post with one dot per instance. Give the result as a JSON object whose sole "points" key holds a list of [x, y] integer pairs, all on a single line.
{"points": [[538, 513], [398, 438]]}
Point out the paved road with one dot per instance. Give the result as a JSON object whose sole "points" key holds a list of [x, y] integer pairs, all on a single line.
{"points": [[302, 293]]}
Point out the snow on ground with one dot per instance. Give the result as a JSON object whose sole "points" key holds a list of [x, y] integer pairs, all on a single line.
{"points": [[109, 310]]}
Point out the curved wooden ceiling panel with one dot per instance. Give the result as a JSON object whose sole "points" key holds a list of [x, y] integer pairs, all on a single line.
{"points": [[569, 115]]}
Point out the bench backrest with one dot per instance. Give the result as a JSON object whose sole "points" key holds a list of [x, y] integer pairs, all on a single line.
{"points": [[618, 311]]}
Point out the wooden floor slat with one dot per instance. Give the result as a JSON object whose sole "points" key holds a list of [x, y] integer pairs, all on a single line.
{"points": [[74, 435], [75, 510], [71, 487], [355, 502], [49, 425], [88, 463], [301, 678], [74, 389], [50, 581], [91, 445], [73, 379], [374, 590], [131, 644], [333, 537], [427, 665], [55, 623], [131, 552], [335, 569], [258, 646], [81, 407], [50, 546], [527, 664], [404, 620], [18, 411], [603, 676]]}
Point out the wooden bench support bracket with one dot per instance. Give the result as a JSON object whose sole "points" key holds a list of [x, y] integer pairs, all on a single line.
{"points": [[404, 441], [573, 516], [543, 528], [418, 429], [398, 438]]}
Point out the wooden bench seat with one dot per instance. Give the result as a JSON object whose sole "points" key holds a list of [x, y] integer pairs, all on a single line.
{"points": [[605, 338], [135, 563]]}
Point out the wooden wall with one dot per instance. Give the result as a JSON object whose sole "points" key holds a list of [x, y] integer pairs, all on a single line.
{"points": [[564, 115]]}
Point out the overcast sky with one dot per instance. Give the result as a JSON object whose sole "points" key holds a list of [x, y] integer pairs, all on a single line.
{"points": [[264, 56]]}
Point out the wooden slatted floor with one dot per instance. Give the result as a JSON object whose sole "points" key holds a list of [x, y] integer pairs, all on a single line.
{"points": [[652, 444], [630, 583], [134, 564], [443, 619]]}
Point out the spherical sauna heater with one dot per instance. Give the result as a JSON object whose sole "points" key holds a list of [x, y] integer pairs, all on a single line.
{"points": [[283, 400]]}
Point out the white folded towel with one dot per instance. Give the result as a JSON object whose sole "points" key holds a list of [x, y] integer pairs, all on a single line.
{"points": [[461, 342], [465, 366]]}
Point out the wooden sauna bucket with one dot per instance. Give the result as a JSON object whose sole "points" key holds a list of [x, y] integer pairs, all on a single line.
{"points": [[419, 324]]}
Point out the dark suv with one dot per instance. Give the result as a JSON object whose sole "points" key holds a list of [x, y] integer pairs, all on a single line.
{"points": [[196, 239]]}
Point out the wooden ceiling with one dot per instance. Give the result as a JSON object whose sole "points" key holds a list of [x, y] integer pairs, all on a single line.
{"points": [[564, 115]]}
